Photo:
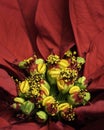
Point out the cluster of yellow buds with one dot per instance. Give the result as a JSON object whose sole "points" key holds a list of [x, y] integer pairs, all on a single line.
{"points": [[52, 87], [66, 68]]}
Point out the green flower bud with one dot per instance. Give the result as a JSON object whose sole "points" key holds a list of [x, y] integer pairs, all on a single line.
{"points": [[86, 98], [80, 60], [39, 61], [41, 116], [16, 106], [81, 82], [27, 107], [22, 64]]}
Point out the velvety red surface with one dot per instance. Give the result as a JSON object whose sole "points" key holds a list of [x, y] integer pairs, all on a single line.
{"points": [[44, 26]]}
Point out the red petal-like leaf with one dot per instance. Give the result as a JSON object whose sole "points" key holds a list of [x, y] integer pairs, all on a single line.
{"points": [[3, 123], [7, 83]]}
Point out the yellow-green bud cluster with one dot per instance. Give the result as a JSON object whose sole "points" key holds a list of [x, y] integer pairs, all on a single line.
{"points": [[52, 88]]}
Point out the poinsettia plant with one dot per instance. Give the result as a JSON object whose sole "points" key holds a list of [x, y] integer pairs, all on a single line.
{"points": [[52, 89]]}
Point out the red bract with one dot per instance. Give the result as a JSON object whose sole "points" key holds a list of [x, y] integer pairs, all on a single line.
{"points": [[56, 30]]}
